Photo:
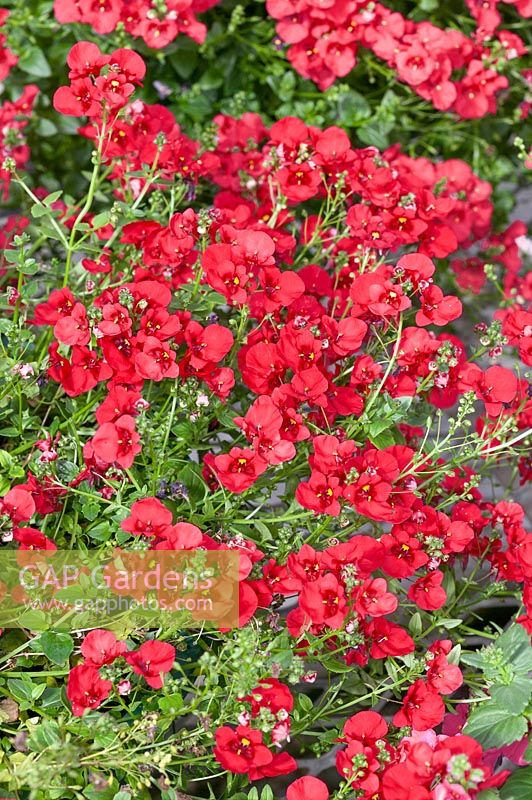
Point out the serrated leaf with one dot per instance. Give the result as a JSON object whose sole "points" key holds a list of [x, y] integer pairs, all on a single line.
{"points": [[518, 786], [472, 659], [492, 726], [515, 696], [515, 644]]}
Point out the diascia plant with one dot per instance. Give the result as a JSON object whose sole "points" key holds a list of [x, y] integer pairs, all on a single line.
{"points": [[252, 347]]}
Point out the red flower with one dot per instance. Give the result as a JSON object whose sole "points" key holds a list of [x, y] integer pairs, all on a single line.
{"points": [[496, 386], [85, 59], [281, 764], [427, 592], [320, 494], [101, 647], [85, 688], [103, 15], [73, 329], [207, 345], [241, 749], [224, 276], [414, 65], [307, 788], [422, 709], [18, 504], [279, 289], [239, 469], [324, 601], [156, 360], [388, 639], [148, 517], [152, 660], [80, 99], [374, 600], [366, 727], [271, 694], [437, 309], [32, 539], [60, 303], [117, 442]]}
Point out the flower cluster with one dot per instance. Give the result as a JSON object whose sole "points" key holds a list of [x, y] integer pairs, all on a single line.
{"points": [[7, 58], [424, 766], [156, 23], [100, 85], [14, 150], [87, 689], [243, 750], [445, 67]]}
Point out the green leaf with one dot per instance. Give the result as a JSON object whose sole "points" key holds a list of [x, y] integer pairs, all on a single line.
{"points": [[95, 793], [415, 626], [21, 688], [383, 440], [489, 794], [45, 735], [90, 510], [515, 696], [447, 622], [171, 703], [336, 666], [375, 133], [185, 58], [518, 786], [472, 659], [46, 127], [66, 470], [34, 63], [29, 267], [100, 220], [305, 703], [492, 726], [38, 210], [212, 78], [52, 197], [515, 644], [353, 108], [34, 619], [100, 532], [56, 646]]}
